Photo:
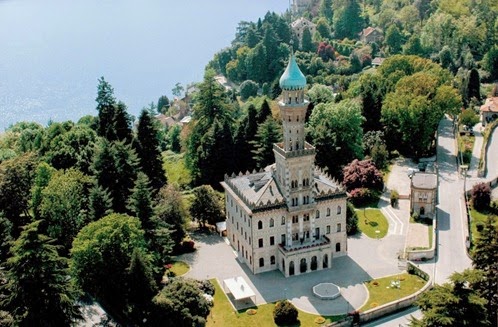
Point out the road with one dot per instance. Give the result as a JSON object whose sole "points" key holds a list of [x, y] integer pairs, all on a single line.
{"points": [[451, 227]]}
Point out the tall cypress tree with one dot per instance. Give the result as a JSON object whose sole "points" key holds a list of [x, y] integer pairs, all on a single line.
{"points": [[268, 133], [148, 151], [246, 132], [121, 124], [38, 292]]}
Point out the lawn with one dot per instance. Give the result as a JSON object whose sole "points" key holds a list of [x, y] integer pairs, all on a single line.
{"points": [[222, 314], [179, 268], [371, 220], [477, 219], [381, 292]]}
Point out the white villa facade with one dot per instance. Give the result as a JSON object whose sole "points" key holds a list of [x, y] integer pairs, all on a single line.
{"points": [[290, 216]]}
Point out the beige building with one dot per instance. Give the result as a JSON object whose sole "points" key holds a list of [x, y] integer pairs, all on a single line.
{"points": [[423, 197], [299, 25], [489, 110], [289, 216], [371, 35]]}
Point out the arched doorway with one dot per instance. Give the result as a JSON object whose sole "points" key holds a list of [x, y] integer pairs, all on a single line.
{"points": [[291, 268], [303, 265], [422, 211], [325, 261], [314, 263]]}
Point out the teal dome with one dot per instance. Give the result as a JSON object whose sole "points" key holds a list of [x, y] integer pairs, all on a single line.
{"points": [[292, 78]]}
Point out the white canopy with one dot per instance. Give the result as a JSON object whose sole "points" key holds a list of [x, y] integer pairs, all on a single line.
{"points": [[239, 288]]}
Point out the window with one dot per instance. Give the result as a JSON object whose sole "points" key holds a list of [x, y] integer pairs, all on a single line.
{"points": [[339, 227], [272, 240], [339, 209], [249, 240], [260, 242], [306, 217], [317, 233], [260, 224], [272, 260], [241, 230], [295, 219], [233, 238], [282, 239], [272, 222], [337, 247], [328, 229], [245, 236], [237, 226], [232, 219], [261, 262], [249, 222], [328, 212], [317, 215], [283, 220]]}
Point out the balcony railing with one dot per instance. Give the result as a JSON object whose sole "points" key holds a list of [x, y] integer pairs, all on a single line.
{"points": [[307, 244]]}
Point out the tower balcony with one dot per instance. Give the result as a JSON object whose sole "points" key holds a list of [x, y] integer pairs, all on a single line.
{"points": [[308, 150], [305, 246]]}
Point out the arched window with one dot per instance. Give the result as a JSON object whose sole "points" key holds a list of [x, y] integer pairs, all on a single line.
{"points": [[317, 215], [328, 212], [291, 268], [339, 227], [261, 262], [303, 266], [272, 260], [339, 209], [314, 263], [260, 224], [325, 261], [283, 220], [272, 222], [337, 247]]}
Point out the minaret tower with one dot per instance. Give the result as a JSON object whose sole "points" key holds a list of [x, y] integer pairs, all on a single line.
{"points": [[294, 157]]}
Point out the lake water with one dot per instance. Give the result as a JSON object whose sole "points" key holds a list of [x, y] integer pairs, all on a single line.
{"points": [[52, 52]]}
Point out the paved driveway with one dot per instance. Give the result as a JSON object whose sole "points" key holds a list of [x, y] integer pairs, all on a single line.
{"points": [[214, 258]]}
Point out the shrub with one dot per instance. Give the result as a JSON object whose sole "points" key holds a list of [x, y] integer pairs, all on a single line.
{"points": [[394, 198], [479, 226], [207, 287], [285, 313], [187, 246], [481, 196], [362, 174], [416, 216]]}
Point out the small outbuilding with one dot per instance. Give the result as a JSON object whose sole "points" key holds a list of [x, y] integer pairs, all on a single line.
{"points": [[489, 110], [239, 289], [423, 195]]}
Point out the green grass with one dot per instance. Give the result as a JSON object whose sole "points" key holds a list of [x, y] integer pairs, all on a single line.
{"points": [[179, 268], [370, 220], [381, 292], [222, 314], [478, 217]]}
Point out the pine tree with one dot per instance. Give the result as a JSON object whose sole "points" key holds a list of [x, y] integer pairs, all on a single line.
{"points": [[105, 107], [263, 113], [326, 10], [140, 201], [148, 151], [100, 202], [38, 290], [121, 124], [485, 258], [268, 133], [171, 210], [307, 41], [474, 86], [246, 131], [348, 21]]}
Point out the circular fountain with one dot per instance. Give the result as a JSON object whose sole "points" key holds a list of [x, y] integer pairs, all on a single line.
{"points": [[327, 291]]}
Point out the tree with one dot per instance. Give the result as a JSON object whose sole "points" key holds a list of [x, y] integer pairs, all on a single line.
{"points": [[101, 254], [268, 133], [148, 151], [121, 124], [263, 113], [413, 46], [285, 313], [163, 104], [105, 107], [485, 258], [323, 28], [348, 21], [171, 210], [16, 179], [206, 207], [38, 292], [469, 118], [174, 140], [248, 89], [178, 90], [245, 133], [490, 62], [325, 51], [362, 174], [481, 196], [474, 86], [326, 10], [307, 41], [140, 201], [335, 130], [394, 39], [180, 303], [43, 174], [456, 303], [5, 237], [64, 205], [114, 166], [351, 219], [99, 202]]}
